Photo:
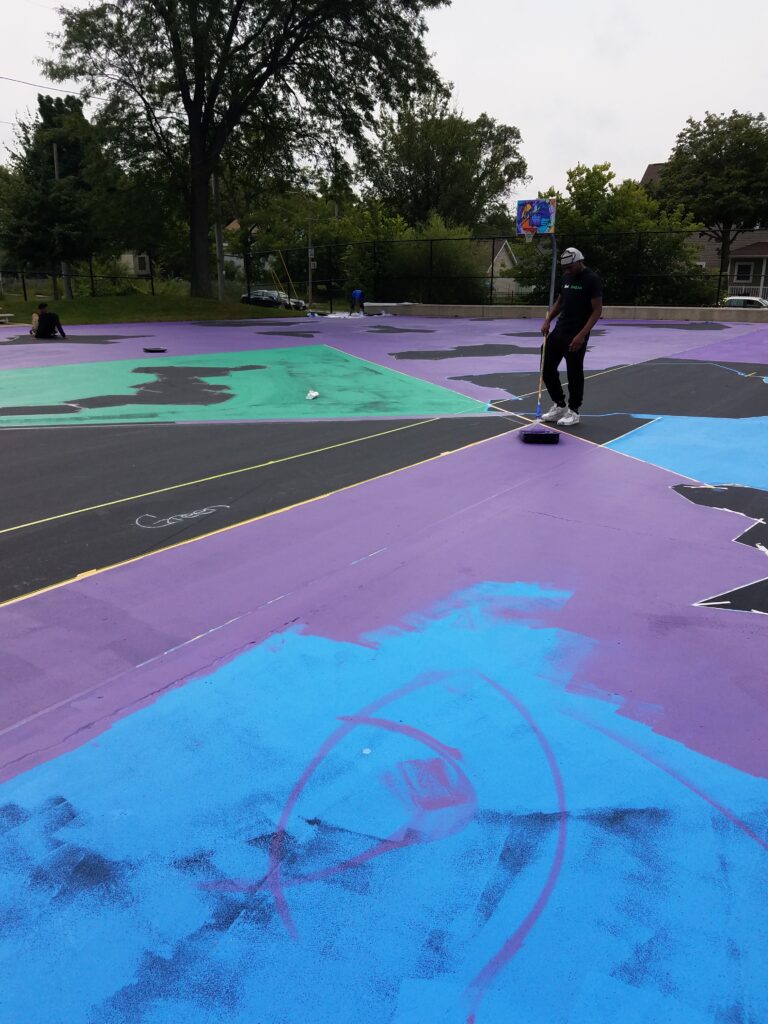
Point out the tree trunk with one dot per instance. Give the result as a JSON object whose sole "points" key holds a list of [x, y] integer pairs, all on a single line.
{"points": [[199, 221], [725, 249], [66, 275], [217, 231], [725, 256]]}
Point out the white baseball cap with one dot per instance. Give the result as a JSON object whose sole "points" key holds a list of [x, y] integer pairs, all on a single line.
{"points": [[570, 256]]}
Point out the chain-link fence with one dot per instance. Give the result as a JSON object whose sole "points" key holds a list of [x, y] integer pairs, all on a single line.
{"points": [[38, 286], [646, 268]]}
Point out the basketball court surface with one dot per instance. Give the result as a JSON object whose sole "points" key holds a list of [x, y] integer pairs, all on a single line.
{"points": [[353, 709]]}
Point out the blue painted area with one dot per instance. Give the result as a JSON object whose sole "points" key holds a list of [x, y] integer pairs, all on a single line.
{"points": [[713, 451], [130, 869]]}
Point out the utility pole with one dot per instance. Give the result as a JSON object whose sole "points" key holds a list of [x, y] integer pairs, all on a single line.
{"points": [[65, 272], [218, 235], [310, 259]]}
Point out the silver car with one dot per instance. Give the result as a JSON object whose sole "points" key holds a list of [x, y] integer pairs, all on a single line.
{"points": [[745, 302]]}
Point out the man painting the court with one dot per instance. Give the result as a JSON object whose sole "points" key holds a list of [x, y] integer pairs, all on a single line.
{"points": [[578, 308]]}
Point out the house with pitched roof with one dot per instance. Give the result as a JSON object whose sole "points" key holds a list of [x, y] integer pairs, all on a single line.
{"points": [[747, 260], [748, 269]]}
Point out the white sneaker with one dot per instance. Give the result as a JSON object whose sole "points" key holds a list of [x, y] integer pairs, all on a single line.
{"points": [[570, 419], [554, 414]]}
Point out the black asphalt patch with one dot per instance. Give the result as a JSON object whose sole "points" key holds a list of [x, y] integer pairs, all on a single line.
{"points": [[598, 427], [401, 330], [74, 339], [513, 383], [41, 555], [467, 351], [289, 334], [674, 387], [250, 321], [751, 598], [85, 465], [602, 429], [751, 502], [661, 387], [746, 501], [595, 333], [171, 385], [693, 325]]}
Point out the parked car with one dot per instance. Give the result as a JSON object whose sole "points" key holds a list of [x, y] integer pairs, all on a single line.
{"points": [[291, 303], [745, 302], [261, 297], [272, 298]]}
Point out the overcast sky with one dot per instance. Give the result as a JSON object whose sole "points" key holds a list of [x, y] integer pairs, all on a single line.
{"points": [[590, 81], [585, 81]]}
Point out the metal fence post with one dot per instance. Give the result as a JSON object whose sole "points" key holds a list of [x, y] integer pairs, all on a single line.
{"points": [[24, 286], [431, 258], [493, 266], [331, 253]]}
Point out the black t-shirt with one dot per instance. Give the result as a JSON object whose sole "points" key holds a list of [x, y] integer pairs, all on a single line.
{"points": [[48, 324], [576, 294]]}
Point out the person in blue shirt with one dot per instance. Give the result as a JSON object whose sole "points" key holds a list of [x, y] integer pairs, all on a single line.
{"points": [[357, 302]]}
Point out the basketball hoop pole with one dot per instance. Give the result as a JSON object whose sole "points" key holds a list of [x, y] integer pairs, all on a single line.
{"points": [[553, 274]]}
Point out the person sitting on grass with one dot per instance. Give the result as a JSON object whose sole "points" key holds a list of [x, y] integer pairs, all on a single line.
{"points": [[47, 323]]}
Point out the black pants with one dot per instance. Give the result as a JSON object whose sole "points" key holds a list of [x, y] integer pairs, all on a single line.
{"points": [[554, 353]]}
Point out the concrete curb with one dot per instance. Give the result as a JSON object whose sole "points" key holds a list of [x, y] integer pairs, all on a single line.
{"points": [[700, 314]]}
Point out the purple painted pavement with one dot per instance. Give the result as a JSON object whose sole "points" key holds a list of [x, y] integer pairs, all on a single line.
{"points": [[751, 346], [623, 342], [577, 517]]}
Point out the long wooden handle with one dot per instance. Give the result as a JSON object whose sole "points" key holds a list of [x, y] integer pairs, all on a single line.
{"points": [[541, 376]]}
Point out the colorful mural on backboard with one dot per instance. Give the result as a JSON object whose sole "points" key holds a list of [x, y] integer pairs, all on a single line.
{"points": [[536, 216]]}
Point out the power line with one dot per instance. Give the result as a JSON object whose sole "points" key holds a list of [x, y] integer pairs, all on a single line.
{"points": [[19, 81]]}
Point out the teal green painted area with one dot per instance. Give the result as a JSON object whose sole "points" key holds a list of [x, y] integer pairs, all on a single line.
{"points": [[266, 384]]}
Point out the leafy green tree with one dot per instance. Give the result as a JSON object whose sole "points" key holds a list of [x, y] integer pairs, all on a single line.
{"points": [[431, 263], [96, 209], [44, 220], [187, 73], [718, 171], [150, 217], [430, 159], [642, 252]]}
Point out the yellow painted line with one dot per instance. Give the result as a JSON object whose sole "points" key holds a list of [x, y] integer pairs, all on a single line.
{"points": [[271, 462], [245, 522], [587, 376], [215, 476]]}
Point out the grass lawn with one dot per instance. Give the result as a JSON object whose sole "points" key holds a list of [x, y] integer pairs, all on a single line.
{"points": [[137, 308]]}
